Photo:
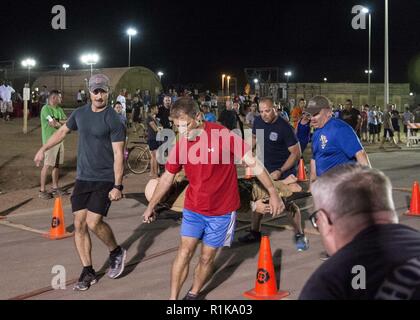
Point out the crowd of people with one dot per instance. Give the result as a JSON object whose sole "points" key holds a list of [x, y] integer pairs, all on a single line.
{"points": [[353, 202]]}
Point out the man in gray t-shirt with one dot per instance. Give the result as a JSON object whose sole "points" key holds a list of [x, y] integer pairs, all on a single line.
{"points": [[100, 166]]}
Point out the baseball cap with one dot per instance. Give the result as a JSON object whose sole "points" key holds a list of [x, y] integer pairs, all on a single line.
{"points": [[316, 104], [99, 81]]}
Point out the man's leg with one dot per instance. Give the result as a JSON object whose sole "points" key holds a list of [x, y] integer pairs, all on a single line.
{"points": [[55, 175], [101, 229], [181, 264], [44, 174], [82, 238], [204, 268]]}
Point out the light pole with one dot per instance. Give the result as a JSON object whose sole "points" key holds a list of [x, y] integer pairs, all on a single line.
{"points": [[160, 74], [367, 11], [130, 32], [228, 87], [386, 80], [288, 74], [223, 84], [90, 59], [65, 67], [256, 84], [29, 63]]}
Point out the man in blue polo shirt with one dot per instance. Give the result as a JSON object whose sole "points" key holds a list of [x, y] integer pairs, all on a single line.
{"points": [[334, 142], [280, 155]]}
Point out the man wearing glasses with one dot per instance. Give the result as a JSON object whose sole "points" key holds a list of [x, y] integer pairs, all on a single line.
{"points": [[99, 176], [372, 256]]}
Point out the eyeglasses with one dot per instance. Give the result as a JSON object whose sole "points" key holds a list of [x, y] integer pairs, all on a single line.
{"points": [[313, 218]]}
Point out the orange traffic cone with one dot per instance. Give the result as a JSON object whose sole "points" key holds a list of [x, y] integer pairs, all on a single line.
{"points": [[58, 229], [265, 284], [415, 201], [248, 173], [301, 171]]}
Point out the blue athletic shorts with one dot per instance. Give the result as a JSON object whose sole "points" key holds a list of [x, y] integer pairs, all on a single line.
{"points": [[214, 231]]}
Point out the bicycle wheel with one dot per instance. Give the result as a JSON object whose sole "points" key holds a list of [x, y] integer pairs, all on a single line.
{"points": [[138, 159]]}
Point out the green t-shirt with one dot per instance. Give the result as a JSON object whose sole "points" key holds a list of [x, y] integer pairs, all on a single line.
{"points": [[57, 113]]}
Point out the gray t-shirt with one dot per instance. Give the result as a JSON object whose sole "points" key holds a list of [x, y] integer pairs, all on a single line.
{"points": [[97, 131]]}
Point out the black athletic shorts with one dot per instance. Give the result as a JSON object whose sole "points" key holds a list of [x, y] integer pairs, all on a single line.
{"points": [[390, 132], [91, 195]]}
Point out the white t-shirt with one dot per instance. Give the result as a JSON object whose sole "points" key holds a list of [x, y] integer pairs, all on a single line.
{"points": [[121, 99], [6, 93]]}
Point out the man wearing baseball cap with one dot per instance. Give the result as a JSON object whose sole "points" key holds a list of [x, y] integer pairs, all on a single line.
{"points": [[334, 142], [99, 176]]}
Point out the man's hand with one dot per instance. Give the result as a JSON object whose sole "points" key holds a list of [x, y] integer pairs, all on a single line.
{"points": [[39, 157], [276, 205], [115, 195], [149, 215], [275, 175]]}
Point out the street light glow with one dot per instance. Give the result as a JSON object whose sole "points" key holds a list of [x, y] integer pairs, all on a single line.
{"points": [[288, 74], [411, 94], [325, 79], [29, 63], [66, 66], [90, 58], [365, 10], [255, 80], [131, 32], [368, 71], [160, 73]]}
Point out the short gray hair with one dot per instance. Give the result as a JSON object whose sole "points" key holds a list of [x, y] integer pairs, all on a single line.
{"points": [[352, 188]]}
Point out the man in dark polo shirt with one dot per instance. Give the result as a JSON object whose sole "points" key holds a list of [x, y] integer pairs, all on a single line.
{"points": [[352, 116], [280, 157], [372, 256]]}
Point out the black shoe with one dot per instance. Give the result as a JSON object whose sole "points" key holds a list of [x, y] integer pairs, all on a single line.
{"points": [[190, 296], [85, 281], [251, 237]]}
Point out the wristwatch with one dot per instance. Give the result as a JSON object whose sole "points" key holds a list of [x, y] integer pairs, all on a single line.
{"points": [[119, 187]]}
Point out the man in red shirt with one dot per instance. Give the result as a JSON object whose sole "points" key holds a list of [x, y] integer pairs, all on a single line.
{"points": [[208, 153]]}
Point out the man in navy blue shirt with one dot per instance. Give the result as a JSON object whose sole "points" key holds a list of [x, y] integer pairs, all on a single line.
{"points": [[280, 155], [334, 142]]}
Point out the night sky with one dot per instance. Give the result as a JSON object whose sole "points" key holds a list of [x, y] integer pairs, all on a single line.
{"points": [[197, 41]]}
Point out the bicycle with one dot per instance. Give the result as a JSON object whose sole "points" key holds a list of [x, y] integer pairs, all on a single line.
{"points": [[137, 158]]}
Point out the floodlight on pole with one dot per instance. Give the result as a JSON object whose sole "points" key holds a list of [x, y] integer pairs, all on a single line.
{"points": [[288, 74], [90, 59], [368, 71], [228, 86], [130, 32], [256, 81], [160, 74], [325, 79], [29, 63], [66, 66]]}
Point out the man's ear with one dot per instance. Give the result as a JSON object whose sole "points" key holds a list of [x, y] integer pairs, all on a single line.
{"points": [[324, 223]]}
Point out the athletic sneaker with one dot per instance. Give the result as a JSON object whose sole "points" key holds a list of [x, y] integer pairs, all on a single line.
{"points": [[45, 195], [86, 279], [116, 264], [58, 192], [250, 237], [302, 243], [190, 296]]}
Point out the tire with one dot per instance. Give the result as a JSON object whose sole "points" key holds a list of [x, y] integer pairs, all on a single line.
{"points": [[138, 159]]}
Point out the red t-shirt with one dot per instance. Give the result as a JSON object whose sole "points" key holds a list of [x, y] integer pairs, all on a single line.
{"points": [[209, 164]]}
